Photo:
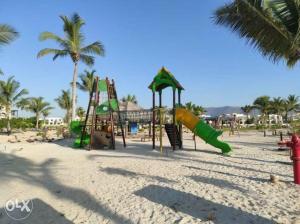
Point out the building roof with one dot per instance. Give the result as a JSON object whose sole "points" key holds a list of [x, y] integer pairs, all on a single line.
{"points": [[129, 106], [164, 79]]}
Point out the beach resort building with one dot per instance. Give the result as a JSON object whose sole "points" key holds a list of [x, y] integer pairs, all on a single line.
{"points": [[54, 121]]}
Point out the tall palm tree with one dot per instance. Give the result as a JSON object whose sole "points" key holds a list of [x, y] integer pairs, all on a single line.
{"points": [[130, 98], [270, 26], [65, 102], [291, 104], [38, 106], [189, 106], [86, 81], [277, 105], [247, 110], [197, 110], [262, 103], [7, 35], [10, 96], [72, 44], [45, 114]]}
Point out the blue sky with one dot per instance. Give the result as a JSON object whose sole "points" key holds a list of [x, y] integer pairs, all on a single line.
{"points": [[215, 66]]}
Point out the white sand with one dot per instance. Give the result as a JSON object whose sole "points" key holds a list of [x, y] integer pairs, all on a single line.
{"points": [[138, 185]]}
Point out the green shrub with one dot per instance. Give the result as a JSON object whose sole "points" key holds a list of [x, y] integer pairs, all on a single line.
{"points": [[18, 123]]}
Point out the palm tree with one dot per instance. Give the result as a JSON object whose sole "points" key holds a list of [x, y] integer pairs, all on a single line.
{"points": [[130, 98], [45, 114], [65, 102], [291, 104], [262, 103], [38, 106], [189, 106], [72, 45], [272, 27], [7, 35], [247, 110], [198, 110], [86, 81], [10, 96], [277, 105], [80, 112]]}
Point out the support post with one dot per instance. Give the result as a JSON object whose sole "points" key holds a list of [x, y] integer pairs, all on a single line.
{"points": [[149, 129], [174, 122], [119, 114], [153, 119], [111, 116], [94, 112], [160, 122], [180, 125]]}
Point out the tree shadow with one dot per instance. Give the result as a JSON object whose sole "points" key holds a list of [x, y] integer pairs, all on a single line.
{"points": [[127, 173], [256, 179], [41, 213], [240, 167], [41, 176], [219, 183], [263, 160], [198, 207], [144, 151], [254, 144]]}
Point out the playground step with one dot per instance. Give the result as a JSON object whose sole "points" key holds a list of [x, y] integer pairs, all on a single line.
{"points": [[170, 132]]}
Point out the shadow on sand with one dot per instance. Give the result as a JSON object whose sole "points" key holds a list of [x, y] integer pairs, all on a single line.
{"points": [[127, 173], [218, 182], [198, 207], [41, 213], [256, 179], [14, 167]]}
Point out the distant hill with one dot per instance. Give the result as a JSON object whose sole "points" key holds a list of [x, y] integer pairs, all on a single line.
{"points": [[216, 111]]}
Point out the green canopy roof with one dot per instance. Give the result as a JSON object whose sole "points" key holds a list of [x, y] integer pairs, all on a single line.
{"points": [[164, 79]]}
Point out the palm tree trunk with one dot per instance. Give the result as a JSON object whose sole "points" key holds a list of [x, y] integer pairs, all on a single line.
{"points": [[68, 116], [74, 91], [37, 121], [8, 116]]}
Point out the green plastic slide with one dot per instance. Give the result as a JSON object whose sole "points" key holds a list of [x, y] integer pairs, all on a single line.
{"points": [[76, 128], [201, 129]]}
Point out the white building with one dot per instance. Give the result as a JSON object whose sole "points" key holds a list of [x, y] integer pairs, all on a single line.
{"points": [[14, 113], [272, 119], [54, 121], [2, 112]]}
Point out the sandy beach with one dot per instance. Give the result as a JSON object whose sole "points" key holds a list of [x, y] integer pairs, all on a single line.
{"points": [[139, 185]]}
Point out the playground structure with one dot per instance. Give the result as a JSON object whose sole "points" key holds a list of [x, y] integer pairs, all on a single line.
{"points": [[103, 114], [181, 116]]}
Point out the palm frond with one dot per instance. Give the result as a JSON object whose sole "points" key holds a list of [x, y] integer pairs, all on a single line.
{"points": [[56, 52], [94, 48], [87, 59], [50, 36], [20, 94], [7, 34], [252, 21]]}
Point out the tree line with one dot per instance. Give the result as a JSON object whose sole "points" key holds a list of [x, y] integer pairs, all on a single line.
{"points": [[276, 105]]}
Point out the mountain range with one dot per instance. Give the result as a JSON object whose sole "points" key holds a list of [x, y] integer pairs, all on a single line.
{"points": [[216, 111]]}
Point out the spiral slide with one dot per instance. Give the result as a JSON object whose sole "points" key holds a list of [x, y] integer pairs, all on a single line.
{"points": [[201, 129]]}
